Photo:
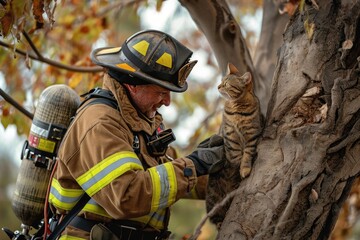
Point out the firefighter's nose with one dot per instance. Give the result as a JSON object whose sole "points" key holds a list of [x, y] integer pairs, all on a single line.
{"points": [[166, 99]]}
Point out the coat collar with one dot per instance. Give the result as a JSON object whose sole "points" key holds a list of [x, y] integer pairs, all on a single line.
{"points": [[135, 120]]}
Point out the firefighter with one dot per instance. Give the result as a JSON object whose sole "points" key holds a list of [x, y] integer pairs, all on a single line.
{"points": [[119, 155]]}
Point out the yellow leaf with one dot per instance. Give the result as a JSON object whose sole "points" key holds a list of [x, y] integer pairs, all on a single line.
{"points": [[301, 5], [158, 5], [309, 29], [75, 80]]}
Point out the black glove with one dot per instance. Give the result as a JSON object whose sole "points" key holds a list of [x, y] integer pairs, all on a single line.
{"points": [[209, 155]]}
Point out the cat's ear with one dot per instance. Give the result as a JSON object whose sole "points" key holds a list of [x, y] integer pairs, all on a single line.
{"points": [[247, 78], [232, 69]]}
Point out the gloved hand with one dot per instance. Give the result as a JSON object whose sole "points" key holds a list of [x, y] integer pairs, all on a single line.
{"points": [[208, 157]]}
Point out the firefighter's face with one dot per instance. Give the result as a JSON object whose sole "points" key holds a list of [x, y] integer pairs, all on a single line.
{"points": [[149, 98]]}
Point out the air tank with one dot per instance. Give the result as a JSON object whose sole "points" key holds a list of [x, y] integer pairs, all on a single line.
{"points": [[56, 105]]}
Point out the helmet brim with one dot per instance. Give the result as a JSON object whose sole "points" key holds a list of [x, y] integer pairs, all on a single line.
{"points": [[112, 58]]}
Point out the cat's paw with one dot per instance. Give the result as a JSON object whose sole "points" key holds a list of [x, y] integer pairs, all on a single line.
{"points": [[245, 172]]}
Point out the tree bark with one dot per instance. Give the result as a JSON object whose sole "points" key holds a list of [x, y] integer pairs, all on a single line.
{"points": [[308, 155], [266, 54]]}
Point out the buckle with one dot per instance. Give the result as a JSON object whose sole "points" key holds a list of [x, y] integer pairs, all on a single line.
{"points": [[36, 156]]}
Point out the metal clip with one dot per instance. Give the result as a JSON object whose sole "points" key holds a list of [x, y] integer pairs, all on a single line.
{"points": [[51, 163], [136, 144], [128, 227]]}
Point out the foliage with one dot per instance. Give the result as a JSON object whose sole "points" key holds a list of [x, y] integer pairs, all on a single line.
{"points": [[64, 37]]}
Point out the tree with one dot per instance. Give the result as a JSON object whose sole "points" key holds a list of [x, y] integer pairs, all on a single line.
{"points": [[306, 161]]}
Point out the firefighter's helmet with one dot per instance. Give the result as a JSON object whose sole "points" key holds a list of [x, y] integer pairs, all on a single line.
{"points": [[148, 56]]}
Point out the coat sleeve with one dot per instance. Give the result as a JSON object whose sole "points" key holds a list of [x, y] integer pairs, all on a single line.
{"points": [[106, 167]]}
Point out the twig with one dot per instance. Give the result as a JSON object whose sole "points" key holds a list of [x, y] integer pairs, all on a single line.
{"points": [[52, 62], [32, 45], [15, 104], [115, 5], [217, 206]]}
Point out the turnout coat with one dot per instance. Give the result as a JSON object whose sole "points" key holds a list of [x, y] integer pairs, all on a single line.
{"points": [[97, 156]]}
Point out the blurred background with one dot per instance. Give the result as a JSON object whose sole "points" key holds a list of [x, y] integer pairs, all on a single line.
{"points": [[69, 32]]}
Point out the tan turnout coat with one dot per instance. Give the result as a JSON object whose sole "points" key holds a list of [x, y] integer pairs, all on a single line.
{"points": [[97, 155]]}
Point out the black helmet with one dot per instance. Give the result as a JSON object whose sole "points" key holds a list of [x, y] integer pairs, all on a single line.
{"points": [[151, 56]]}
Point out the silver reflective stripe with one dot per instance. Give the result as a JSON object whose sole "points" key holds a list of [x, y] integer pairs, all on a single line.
{"points": [[62, 198], [107, 170], [165, 186]]}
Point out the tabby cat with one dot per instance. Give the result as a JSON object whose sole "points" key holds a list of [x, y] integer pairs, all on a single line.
{"points": [[241, 127]]}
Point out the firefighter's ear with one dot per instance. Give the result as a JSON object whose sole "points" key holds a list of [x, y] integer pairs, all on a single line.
{"points": [[130, 88]]}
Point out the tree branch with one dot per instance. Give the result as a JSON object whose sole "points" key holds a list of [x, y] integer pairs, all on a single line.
{"points": [[10, 100], [52, 62], [32, 45], [115, 5], [217, 207]]}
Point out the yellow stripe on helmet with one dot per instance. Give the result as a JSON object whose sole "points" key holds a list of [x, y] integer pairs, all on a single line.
{"points": [[165, 60], [108, 50], [141, 47], [126, 66]]}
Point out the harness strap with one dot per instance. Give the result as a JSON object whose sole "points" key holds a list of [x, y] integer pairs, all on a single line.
{"points": [[101, 96], [83, 224], [122, 230], [67, 219]]}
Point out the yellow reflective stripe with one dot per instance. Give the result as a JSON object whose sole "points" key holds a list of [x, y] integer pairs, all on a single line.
{"points": [[107, 170], [173, 183], [93, 207], [155, 219], [62, 197], [67, 237], [164, 186], [155, 179]]}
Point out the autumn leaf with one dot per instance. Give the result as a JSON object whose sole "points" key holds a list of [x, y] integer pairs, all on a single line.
{"points": [[158, 5], [6, 23], [75, 80], [289, 7], [309, 29], [38, 10]]}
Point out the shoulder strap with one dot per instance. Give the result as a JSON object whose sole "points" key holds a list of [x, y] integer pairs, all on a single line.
{"points": [[67, 219], [101, 96]]}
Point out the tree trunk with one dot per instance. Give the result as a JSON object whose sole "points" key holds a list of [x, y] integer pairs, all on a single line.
{"points": [[308, 155]]}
